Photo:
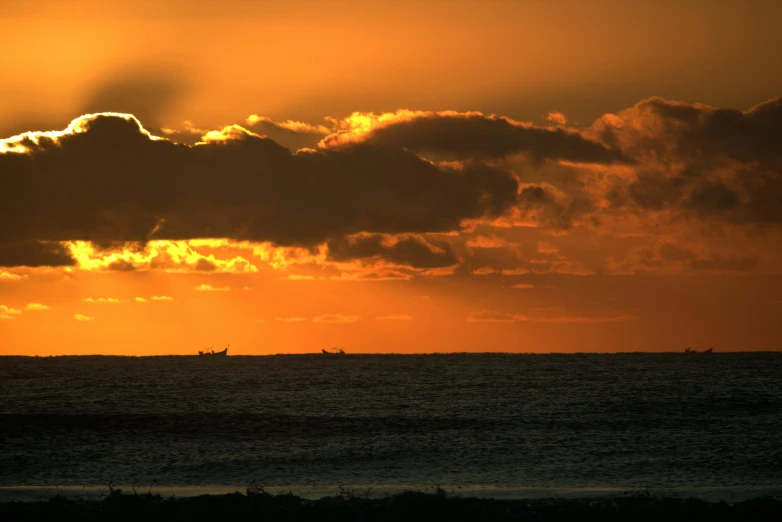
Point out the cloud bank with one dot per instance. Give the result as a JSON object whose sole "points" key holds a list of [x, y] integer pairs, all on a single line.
{"points": [[395, 194]]}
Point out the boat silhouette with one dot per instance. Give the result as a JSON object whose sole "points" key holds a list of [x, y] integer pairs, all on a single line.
{"points": [[335, 351], [689, 351], [223, 352]]}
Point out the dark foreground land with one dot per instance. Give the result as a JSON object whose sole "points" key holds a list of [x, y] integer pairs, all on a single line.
{"points": [[408, 507]]}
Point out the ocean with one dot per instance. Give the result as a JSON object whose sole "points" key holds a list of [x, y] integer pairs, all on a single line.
{"points": [[499, 425]]}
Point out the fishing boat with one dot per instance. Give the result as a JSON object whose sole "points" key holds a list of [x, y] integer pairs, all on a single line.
{"points": [[334, 351], [223, 352], [689, 351]]}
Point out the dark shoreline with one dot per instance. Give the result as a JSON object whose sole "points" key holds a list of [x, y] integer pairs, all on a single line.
{"points": [[256, 504]]}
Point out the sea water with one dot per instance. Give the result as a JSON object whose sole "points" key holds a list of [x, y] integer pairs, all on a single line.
{"points": [[491, 424]]}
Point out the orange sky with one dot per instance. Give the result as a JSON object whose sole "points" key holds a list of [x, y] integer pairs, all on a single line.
{"points": [[390, 177]]}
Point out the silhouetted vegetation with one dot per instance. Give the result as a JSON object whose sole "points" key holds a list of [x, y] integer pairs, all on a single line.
{"points": [[259, 505]]}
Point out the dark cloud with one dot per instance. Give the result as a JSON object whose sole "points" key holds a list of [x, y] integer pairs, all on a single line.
{"points": [[122, 266], [291, 134], [655, 191], [468, 136], [204, 265], [541, 205], [713, 196], [111, 182], [34, 253], [752, 135], [411, 250], [715, 163]]}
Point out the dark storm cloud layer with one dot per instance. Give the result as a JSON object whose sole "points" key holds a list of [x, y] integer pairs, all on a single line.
{"points": [[108, 181], [468, 136], [717, 163], [111, 182]]}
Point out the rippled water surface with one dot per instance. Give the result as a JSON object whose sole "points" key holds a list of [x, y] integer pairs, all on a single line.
{"points": [[532, 421]]}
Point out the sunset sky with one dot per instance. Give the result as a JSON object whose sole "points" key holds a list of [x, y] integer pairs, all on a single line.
{"points": [[525, 176]]}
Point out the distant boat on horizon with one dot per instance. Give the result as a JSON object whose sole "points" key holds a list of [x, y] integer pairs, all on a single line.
{"points": [[689, 351], [336, 351], [223, 353]]}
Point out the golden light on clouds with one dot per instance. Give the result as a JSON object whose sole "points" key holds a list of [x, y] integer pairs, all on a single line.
{"points": [[209, 288], [172, 256], [229, 133], [293, 126], [36, 307], [83, 318], [9, 276], [107, 300], [21, 143], [6, 312]]}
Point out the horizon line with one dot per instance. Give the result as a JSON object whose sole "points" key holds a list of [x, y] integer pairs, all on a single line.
{"points": [[776, 350]]}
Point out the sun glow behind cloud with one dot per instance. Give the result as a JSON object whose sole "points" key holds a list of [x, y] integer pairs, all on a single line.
{"points": [[21, 143], [172, 256]]}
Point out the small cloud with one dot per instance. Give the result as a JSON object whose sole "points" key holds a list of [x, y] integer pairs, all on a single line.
{"points": [[486, 270], [8, 276], [7, 310], [556, 118], [290, 319], [295, 277], [83, 318], [440, 271], [492, 316], [579, 319], [336, 318], [210, 288], [547, 248], [161, 298], [515, 271], [36, 307], [4, 317], [394, 318], [422, 297], [247, 288], [109, 300], [523, 286], [492, 241], [139, 299]]}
